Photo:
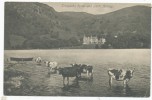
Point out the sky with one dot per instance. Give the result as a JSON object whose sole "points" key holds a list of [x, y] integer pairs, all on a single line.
{"points": [[92, 8]]}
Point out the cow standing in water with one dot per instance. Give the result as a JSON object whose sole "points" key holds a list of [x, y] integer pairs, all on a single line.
{"points": [[88, 69], [67, 72], [120, 75], [38, 60], [52, 66], [85, 69]]}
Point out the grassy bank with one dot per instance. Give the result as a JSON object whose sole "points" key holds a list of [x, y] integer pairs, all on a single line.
{"points": [[17, 82]]}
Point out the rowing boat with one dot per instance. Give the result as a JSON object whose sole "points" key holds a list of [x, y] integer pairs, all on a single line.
{"points": [[21, 59]]}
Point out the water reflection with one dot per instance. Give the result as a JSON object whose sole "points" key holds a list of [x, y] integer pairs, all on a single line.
{"points": [[51, 73], [38, 64], [90, 79], [121, 91], [75, 84]]}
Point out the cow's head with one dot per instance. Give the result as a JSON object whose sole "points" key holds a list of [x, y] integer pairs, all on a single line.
{"points": [[129, 73]]}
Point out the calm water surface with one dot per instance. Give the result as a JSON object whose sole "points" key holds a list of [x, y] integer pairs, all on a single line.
{"points": [[101, 60]]}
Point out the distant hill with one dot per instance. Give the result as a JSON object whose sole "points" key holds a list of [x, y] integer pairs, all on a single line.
{"points": [[37, 25]]}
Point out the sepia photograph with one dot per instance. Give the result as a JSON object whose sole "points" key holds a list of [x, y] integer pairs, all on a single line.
{"points": [[77, 49]]}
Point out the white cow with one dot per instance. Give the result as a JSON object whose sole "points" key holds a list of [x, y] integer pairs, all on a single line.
{"points": [[38, 60], [52, 66], [120, 75]]}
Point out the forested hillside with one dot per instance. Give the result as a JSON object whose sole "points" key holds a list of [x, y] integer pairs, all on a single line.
{"points": [[39, 26]]}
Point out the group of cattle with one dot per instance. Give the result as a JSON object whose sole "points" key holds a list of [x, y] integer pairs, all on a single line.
{"points": [[76, 69]]}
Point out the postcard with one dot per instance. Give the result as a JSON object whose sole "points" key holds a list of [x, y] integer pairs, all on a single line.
{"points": [[77, 49]]}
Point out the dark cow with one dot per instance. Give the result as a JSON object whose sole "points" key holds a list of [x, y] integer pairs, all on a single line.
{"points": [[78, 66], [84, 69], [69, 72], [120, 75]]}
